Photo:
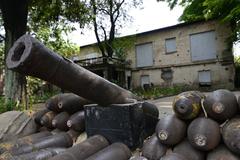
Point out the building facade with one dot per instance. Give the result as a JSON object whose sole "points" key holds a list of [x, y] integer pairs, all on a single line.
{"points": [[196, 54]]}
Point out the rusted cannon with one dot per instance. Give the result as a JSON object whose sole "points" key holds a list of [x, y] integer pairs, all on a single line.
{"points": [[73, 134], [221, 105], [77, 121], [62, 140], [173, 156], [151, 115], [8, 146], [56, 131], [187, 105], [30, 57], [171, 130], [47, 118], [68, 102], [117, 151], [221, 153], [84, 149], [38, 115], [71, 103], [188, 151], [60, 121], [153, 149], [204, 134], [42, 154], [52, 103], [231, 135]]}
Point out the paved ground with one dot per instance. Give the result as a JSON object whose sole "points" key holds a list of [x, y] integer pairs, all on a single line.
{"points": [[165, 104]]}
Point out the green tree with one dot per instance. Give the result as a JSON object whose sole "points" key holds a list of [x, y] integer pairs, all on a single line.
{"points": [[224, 10], [108, 16], [14, 15], [56, 15]]}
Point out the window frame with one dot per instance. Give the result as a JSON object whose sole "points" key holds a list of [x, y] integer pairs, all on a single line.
{"points": [[172, 38], [136, 55], [190, 45]]}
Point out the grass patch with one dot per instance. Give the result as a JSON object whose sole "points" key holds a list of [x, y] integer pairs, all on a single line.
{"points": [[158, 91], [41, 98], [6, 106]]}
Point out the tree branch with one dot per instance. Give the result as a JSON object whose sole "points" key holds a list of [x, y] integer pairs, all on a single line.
{"points": [[2, 37], [119, 5], [94, 8], [104, 10], [105, 33]]}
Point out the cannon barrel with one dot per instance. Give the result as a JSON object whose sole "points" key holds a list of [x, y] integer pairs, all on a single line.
{"points": [[8, 146], [231, 135], [42, 154], [153, 149], [83, 149], [187, 150], [221, 105], [30, 57], [71, 103], [173, 156], [117, 151], [171, 130], [222, 153], [47, 118], [60, 121], [38, 115], [62, 140], [204, 134], [77, 121]]}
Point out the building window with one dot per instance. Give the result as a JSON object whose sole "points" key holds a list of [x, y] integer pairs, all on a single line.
{"points": [[204, 77], [145, 81], [144, 55], [203, 46], [170, 45]]}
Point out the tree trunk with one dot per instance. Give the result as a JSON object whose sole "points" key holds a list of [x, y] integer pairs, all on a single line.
{"points": [[15, 83], [14, 15]]}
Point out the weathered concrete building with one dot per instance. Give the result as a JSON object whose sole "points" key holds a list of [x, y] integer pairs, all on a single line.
{"points": [[196, 54]]}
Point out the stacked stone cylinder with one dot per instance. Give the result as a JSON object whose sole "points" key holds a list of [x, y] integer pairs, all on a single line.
{"points": [[62, 112], [201, 128], [59, 129]]}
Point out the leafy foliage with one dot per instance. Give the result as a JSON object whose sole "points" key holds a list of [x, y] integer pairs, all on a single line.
{"points": [[4, 107], [57, 13], [224, 10], [159, 91], [52, 22], [49, 21], [56, 42], [122, 45], [108, 16]]}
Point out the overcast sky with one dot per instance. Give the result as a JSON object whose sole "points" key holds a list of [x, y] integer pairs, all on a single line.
{"points": [[153, 15]]}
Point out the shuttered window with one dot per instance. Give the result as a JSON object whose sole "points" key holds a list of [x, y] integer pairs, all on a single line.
{"points": [[144, 55], [204, 77], [170, 45], [145, 79], [203, 46]]}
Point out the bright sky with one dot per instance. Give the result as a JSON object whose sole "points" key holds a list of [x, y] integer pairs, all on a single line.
{"points": [[153, 15]]}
